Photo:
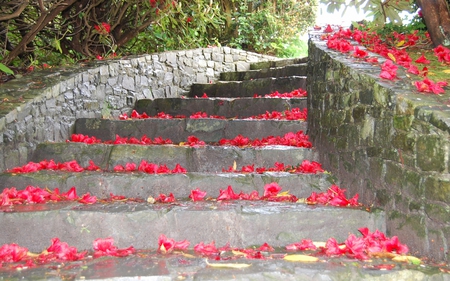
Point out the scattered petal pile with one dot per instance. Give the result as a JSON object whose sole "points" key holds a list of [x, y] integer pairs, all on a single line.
{"points": [[73, 166], [334, 197], [297, 139], [393, 49], [58, 252]]}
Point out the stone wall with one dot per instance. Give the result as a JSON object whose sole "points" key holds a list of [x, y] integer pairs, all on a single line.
{"points": [[43, 106], [385, 141]]}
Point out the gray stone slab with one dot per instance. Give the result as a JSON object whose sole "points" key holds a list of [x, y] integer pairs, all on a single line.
{"points": [[240, 223], [142, 185], [281, 71], [227, 107], [248, 88], [195, 159], [151, 265], [178, 130]]}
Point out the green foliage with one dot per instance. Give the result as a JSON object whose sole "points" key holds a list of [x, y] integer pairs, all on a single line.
{"points": [[271, 28], [103, 29], [6, 69], [191, 24]]}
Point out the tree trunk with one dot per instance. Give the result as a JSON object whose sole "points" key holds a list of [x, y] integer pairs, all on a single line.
{"points": [[437, 18]]}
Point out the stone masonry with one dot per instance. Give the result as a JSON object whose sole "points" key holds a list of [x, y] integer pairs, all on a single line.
{"points": [[385, 141], [43, 106]]}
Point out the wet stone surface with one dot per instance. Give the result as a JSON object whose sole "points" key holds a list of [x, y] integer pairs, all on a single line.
{"points": [[240, 223], [151, 265], [142, 185], [227, 107], [248, 88], [178, 130], [194, 159]]}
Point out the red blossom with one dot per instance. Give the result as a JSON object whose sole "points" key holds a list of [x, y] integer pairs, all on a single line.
{"points": [[429, 86], [162, 198], [413, 69], [168, 245], [388, 70], [442, 53], [265, 248], [332, 248], [304, 245], [179, 170], [328, 29], [206, 249], [422, 59], [193, 141], [271, 189], [12, 253], [103, 29], [360, 53], [227, 194], [61, 251], [197, 195], [92, 166], [88, 199], [105, 247], [334, 197]]}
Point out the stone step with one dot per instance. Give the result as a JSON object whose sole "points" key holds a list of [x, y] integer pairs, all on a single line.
{"points": [[277, 63], [142, 185], [248, 88], [227, 107], [238, 222], [208, 130], [282, 71], [195, 159], [153, 266]]}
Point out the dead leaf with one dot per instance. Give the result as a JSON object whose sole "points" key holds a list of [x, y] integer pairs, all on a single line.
{"points": [[401, 43], [392, 57], [446, 71], [409, 259], [301, 258]]}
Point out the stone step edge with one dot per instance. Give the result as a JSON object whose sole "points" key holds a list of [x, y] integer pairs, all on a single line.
{"points": [[141, 185], [297, 69], [208, 130], [240, 223]]}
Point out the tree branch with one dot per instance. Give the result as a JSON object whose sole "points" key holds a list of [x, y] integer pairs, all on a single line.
{"points": [[16, 13]]}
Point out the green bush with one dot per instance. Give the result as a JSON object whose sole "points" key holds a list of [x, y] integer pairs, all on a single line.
{"points": [[73, 31]]}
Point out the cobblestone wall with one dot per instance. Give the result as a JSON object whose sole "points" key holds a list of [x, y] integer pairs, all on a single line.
{"points": [[386, 142], [44, 105]]}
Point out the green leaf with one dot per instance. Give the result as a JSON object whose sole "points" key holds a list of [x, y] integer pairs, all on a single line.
{"points": [[6, 69], [57, 45]]}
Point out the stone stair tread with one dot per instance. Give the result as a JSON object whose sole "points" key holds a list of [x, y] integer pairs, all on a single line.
{"points": [[151, 265], [277, 71], [248, 88], [208, 130], [277, 63], [142, 185], [240, 223], [227, 107], [194, 159]]}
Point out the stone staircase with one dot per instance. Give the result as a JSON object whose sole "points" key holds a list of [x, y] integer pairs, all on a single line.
{"points": [[239, 222]]}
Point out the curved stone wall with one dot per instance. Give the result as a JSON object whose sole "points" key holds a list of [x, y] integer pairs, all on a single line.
{"points": [[385, 141], [43, 106]]}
